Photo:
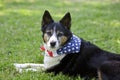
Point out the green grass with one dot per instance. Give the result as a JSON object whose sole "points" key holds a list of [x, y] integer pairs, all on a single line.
{"points": [[20, 38]]}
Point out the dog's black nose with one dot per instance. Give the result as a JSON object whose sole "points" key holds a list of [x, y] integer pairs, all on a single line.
{"points": [[53, 43]]}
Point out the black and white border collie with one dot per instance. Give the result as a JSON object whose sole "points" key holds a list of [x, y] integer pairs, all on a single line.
{"points": [[73, 56]]}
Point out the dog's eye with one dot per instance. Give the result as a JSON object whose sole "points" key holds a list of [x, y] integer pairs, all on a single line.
{"points": [[48, 33], [60, 34]]}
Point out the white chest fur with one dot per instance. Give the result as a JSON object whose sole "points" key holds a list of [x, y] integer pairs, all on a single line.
{"points": [[52, 61]]}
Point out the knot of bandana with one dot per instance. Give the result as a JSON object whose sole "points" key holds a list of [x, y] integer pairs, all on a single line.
{"points": [[73, 46]]}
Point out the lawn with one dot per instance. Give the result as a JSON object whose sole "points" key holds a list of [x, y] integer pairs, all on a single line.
{"points": [[97, 21]]}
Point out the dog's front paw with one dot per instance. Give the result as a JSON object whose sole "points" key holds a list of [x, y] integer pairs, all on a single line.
{"points": [[29, 67]]}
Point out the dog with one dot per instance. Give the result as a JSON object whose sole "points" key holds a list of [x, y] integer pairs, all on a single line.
{"points": [[71, 55]]}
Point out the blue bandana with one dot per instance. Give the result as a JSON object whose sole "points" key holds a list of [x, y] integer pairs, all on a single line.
{"points": [[73, 46]]}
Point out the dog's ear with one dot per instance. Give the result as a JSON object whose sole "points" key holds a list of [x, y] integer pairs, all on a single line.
{"points": [[66, 20], [47, 19]]}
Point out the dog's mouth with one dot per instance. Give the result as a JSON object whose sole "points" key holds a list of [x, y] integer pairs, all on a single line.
{"points": [[52, 48]]}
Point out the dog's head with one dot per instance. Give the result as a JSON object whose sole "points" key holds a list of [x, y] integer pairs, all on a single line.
{"points": [[55, 34]]}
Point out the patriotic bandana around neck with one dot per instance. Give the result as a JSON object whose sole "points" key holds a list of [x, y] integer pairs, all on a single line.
{"points": [[73, 46]]}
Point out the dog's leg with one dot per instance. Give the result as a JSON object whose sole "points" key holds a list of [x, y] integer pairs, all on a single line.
{"points": [[99, 75], [110, 70], [29, 67]]}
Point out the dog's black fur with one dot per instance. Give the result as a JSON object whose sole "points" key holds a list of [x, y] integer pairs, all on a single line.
{"points": [[90, 62]]}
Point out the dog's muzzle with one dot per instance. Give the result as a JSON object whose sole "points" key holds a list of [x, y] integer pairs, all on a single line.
{"points": [[52, 44]]}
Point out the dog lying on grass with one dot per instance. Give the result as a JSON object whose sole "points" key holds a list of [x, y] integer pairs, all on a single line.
{"points": [[73, 56]]}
